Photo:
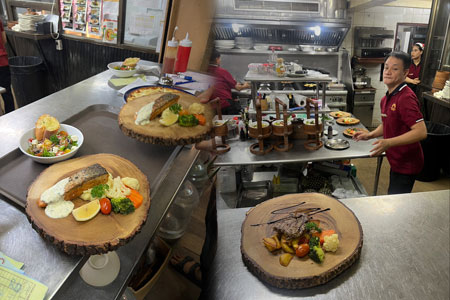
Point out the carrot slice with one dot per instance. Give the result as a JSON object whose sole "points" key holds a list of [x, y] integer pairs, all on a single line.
{"points": [[201, 119], [136, 198], [42, 204], [326, 233]]}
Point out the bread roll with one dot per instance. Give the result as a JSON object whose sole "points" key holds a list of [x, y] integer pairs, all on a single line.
{"points": [[131, 61], [46, 126]]}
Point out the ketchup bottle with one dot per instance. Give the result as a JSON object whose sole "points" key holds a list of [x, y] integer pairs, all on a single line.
{"points": [[184, 50], [170, 55]]}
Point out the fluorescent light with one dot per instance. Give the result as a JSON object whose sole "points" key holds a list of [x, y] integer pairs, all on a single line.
{"points": [[236, 27]]}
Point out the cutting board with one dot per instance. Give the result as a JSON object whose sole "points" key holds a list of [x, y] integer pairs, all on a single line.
{"points": [[156, 133], [347, 132], [340, 114], [351, 121], [101, 234], [301, 272]]}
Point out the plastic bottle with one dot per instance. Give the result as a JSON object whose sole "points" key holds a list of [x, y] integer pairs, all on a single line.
{"points": [[170, 55], [184, 50]]}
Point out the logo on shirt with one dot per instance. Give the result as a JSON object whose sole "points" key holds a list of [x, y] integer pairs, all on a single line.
{"points": [[394, 107]]}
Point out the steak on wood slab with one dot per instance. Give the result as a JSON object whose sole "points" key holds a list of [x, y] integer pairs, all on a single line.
{"points": [[292, 226], [85, 179]]}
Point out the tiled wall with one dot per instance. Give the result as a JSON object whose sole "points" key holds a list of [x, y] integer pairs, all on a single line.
{"points": [[387, 17]]}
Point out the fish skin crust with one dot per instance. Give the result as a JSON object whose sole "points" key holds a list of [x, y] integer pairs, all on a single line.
{"points": [[162, 103], [85, 179]]}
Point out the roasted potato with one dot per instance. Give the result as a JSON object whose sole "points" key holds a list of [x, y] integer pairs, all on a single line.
{"points": [[285, 259], [270, 244]]}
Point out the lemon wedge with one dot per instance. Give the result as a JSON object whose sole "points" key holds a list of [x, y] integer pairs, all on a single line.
{"points": [[86, 211], [168, 117]]}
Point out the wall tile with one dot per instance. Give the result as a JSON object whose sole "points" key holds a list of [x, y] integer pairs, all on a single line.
{"points": [[368, 19], [358, 19]]}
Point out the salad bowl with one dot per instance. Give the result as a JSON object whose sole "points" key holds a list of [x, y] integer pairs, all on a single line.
{"points": [[28, 136]]}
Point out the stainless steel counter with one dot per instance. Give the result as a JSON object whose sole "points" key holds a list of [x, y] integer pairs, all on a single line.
{"points": [[44, 262], [240, 154], [405, 254]]}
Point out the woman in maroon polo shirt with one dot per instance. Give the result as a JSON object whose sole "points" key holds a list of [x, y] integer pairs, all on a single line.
{"points": [[402, 126], [5, 75], [224, 82], [414, 69]]}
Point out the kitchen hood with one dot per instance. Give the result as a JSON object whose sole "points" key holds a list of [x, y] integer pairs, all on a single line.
{"points": [[285, 22]]}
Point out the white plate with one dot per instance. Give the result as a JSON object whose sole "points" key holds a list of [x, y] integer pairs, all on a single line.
{"points": [[120, 73], [23, 146], [101, 270]]}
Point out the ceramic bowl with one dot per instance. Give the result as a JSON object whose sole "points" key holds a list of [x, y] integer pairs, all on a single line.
{"points": [[120, 73], [23, 146]]}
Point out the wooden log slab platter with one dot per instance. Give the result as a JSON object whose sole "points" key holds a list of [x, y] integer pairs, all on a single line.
{"points": [[99, 235], [301, 272], [155, 132]]}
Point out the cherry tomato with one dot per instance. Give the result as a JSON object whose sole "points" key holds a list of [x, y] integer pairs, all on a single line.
{"points": [[63, 133], [105, 206], [302, 250]]}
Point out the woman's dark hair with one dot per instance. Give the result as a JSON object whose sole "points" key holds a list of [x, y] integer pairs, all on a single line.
{"points": [[404, 57], [214, 55]]}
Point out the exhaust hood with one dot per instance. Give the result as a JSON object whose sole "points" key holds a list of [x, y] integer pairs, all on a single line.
{"points": [[284, 22]]}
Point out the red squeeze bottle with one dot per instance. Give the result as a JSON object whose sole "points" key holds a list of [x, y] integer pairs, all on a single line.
{"points": [[184, 50]]}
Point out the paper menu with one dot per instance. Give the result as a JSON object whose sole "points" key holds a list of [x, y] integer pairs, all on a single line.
{"points": [[15, 286]]}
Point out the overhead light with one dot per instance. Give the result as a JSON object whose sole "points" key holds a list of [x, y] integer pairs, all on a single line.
{"points": [[236, 27], [316, 30]]}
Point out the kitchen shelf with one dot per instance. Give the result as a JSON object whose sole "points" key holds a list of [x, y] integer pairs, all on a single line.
{"points": [[378, 60]]}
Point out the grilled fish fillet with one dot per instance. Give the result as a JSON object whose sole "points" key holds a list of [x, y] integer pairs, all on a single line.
{"points": [[85, 179], [162, 103]]}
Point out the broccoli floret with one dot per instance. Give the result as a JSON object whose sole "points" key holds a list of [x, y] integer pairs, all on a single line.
{"points": [[188, 120], [313, 226], [314, 241], [316, 254], [122, 206]]}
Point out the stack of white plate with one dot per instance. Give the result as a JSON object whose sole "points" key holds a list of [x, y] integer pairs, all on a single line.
{"points": [[28, 22], [224, 44], [244, 42]]}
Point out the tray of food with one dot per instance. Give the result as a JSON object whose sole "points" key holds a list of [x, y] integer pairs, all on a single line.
{"points": [[166, 118], [340, 114], [300, 240], [347, 121], [93, 122], [350, 132], [89, 205]]}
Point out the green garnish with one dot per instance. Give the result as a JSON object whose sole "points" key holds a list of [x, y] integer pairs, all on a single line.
{"points": [[54, 139], [98, 190], [313, 226], [187, 121], [175, 108], [122, 206], [46, 153]]}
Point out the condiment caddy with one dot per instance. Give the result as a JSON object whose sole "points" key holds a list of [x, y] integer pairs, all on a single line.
{"points": [[260, 132], [283, 131]]}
